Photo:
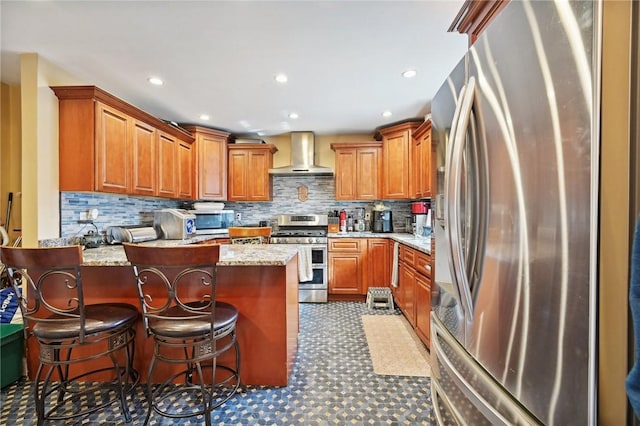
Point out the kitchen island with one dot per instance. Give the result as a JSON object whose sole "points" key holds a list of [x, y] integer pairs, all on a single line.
{"points": [[260, 280]]}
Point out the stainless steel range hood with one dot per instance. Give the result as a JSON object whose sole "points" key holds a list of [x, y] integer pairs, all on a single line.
{"points": [[302, 158]]}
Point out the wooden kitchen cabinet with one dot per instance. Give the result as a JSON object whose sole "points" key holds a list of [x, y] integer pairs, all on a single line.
{"points": [[413, 295], [357, 170], [422, 297], [113, 143], [346, 265], [108, 145], [406, 282], [144, 158], [211, 162], [378, 268], [186, 178], [396, 160], [248, 173], [167, 166], [420, 175]]}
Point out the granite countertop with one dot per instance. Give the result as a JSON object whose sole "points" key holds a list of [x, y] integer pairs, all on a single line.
{"points": [[230, 255], [422, 244]]}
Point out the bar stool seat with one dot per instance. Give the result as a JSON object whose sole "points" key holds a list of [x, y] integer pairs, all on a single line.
{"points": [[226, 316], [99, 318]]}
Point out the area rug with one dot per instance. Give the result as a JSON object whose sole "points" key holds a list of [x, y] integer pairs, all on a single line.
{"points": [[395, 349]]}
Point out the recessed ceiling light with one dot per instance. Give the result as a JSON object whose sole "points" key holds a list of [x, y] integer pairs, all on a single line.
{"points": [[156, 81], [281, 78], [204, 117], [387, 113], [293, 115], [409, 73]]}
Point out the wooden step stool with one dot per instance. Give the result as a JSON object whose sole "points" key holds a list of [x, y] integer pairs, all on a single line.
{"points": [[380, 297]]}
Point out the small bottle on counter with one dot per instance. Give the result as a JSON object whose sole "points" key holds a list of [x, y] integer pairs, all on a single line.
{"points": [[350, 224], [343, 221]]}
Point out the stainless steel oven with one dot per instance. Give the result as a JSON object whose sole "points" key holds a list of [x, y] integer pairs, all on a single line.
{"points": [[309, 231]]}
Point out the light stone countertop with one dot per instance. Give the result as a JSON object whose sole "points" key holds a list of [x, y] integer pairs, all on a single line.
{"points": [[230, 255], [422, 244]]}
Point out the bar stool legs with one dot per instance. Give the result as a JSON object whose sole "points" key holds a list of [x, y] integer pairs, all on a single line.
{"points": [[202, 393]]}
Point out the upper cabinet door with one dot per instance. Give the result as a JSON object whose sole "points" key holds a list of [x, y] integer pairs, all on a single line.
{"points": [[249, 178], [357, 171], [212, 167], [112, 150], [368, 172], [144, 141], [185, 170], [167, 166], [421, 171], [210, 162], [396, 160], [346, 174]]}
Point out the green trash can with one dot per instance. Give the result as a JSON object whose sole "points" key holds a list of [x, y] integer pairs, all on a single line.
{"points": [[11, 349]]}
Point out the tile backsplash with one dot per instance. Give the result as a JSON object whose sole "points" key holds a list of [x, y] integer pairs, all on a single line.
{"points": [[130, 210]]}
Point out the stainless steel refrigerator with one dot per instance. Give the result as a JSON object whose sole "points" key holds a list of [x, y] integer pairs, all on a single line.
{"points": [[513, 305]]}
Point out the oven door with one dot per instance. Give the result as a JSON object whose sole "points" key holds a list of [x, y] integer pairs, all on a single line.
{"points": [[315, 290]]}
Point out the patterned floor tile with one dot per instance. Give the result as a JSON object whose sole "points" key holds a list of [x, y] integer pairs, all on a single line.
{"points": [[332, 383]]}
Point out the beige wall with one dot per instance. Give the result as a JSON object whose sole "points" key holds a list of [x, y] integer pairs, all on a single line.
{"points": [[39, 124], [10, 155]]}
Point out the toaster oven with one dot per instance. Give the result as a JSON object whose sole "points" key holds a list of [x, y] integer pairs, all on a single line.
{"points": [[174, 224], [213, 221]]}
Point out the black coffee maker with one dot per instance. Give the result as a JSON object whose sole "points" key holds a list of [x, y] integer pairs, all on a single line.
{"points": [[382, 221]]}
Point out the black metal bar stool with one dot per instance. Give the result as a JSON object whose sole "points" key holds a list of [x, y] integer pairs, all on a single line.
{"points": [[86, 350], [177, 291]]}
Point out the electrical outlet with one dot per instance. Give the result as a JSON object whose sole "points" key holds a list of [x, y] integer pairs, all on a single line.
{"points": [[238, 216], [83, 216]]}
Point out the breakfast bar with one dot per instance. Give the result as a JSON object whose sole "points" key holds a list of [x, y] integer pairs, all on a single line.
{"points": [[260, 280]]}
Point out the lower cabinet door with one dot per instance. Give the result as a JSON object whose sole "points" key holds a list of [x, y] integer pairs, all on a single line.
{"points": [[345, 273], [423, 308]]}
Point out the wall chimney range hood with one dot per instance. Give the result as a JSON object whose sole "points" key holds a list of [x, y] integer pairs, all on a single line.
{"points": [[302, 158]]}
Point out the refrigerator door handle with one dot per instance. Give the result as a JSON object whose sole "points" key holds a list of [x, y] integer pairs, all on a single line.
{"points": [[453, 195], [448, 190]]}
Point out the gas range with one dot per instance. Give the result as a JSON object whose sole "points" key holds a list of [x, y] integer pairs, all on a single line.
{"points": [[310, 232], [301, 229]]}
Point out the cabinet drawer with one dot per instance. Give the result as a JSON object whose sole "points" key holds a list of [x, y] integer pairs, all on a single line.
{"points": [[407, 254], [345, 245], [423, 264]]}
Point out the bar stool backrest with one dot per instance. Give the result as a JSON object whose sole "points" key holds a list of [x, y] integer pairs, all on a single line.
{"points": [[175, 283], [249, 234], [48, 284]]}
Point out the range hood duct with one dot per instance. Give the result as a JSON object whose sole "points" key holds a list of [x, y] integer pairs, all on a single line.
{"points": [[302, 158]]}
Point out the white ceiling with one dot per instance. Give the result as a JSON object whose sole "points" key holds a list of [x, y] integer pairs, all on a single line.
{"points": [[343, 58]]}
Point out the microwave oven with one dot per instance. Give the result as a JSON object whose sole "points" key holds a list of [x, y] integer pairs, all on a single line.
{"points": [[213, 221]]}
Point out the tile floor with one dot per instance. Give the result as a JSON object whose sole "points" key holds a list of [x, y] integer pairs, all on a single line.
{"points": [[332, 383]]}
